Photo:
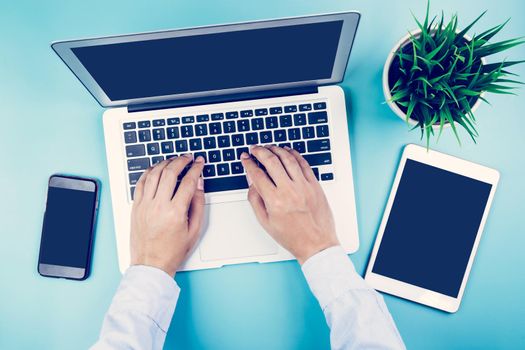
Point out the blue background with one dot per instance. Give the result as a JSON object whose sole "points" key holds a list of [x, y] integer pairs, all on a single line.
{"points": [[49, 123]]}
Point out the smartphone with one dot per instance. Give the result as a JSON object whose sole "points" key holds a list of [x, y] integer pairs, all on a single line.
{"points": [[68, 227]]}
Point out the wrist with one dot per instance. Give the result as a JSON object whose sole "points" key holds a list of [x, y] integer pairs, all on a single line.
{"points": [[167, 268], [307, 254]]}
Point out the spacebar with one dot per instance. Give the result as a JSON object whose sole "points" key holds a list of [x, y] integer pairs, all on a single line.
{"points": [[225, 184]]}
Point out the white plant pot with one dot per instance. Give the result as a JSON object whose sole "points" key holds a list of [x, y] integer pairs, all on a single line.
{"points": [[386, 86]]}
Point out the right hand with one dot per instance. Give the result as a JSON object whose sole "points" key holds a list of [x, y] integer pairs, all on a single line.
{"points": [[289, 202]]}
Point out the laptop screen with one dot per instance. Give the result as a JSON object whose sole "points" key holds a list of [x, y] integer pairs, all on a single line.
{"points": [[214, 61]]}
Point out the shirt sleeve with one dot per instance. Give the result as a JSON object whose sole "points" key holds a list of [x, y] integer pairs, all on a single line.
{"points": [[356, 314], [141, 311]]}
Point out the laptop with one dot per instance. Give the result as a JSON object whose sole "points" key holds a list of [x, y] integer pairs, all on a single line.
{"points": [[214, 91]]}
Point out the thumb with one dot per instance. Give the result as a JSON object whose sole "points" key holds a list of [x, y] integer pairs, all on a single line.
{"points": [[259, 207]]}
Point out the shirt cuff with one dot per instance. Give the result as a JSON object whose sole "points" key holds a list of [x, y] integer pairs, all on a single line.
{"points": [[330, 274], [150, 291]]}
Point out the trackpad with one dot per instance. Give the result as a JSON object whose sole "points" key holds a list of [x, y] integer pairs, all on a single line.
{"points": [[232, 231]]}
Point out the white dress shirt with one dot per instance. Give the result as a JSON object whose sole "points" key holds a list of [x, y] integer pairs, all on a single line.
{"points": [[143, 306]]}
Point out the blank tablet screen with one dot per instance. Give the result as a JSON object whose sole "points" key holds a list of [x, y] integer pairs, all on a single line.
{"points": [[432, 227]]}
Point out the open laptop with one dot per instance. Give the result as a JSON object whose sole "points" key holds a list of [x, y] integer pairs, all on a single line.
{"points": [[214, 91]]}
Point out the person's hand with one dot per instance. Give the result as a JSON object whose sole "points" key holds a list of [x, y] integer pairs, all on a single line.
{"points": [[289, 202], [165, 227]]}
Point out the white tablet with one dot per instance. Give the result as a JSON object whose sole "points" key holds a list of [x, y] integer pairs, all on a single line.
{"points": [[431, 228]]}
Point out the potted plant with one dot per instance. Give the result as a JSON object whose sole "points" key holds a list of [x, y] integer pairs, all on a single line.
{"points": [[436, 76]]}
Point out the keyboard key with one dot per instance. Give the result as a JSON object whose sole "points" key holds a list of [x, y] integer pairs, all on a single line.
{"points": [[130, 137], [186, 130], [158, 134], [173, 132], [201, 130], [252, 138], [299, 119], [322, 130], [223, 141], [156, 160], [217, 116], [318, 145], [305, 107], [225, 184], [209, 170], [279, 135], [319, 105], [290, 109], [209, 142], [285, 144], [134, 177], [138, 164], [167, 147], [300, 147], [144, 135], [228, 154], [153, 148], [318, 158], [317, 117], [129, 125], [276, 110], [246, 114], [294, 134], [261, 111], [238, 140], [144, 124], [308, 132], [271, 122], [285, 120], [240, 151], [174, 121], [232, 115], [214, 156], [132, 191], [201, 154], [327, 177], [188, 119], [135, 150], [223, 169], [316, 173], [237, 168], [229, 127], [257, 124], [181, 146], [195, 144], [266, 136], [243, 125], [215, 128], [159, 122], [203, 118], [169, 156]]}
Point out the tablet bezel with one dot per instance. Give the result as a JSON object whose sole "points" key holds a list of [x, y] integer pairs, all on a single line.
{"points": [[452, 164]]}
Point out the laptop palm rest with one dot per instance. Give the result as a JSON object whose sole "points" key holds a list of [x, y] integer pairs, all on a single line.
{"points": [[240, 236]]}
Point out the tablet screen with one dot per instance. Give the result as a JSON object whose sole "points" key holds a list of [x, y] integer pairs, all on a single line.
{"points": [[432, 227]]}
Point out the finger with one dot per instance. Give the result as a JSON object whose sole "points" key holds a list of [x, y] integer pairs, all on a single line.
{"points": [[139, 187], [273, 165], [259, 208], [289, 162], [152, 181], [305, 167], [188, 185], [259, 178], [196, 213], [168, 179]]}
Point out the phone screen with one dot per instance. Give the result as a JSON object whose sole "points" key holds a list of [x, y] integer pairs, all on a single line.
{"points": [[68, 227]]}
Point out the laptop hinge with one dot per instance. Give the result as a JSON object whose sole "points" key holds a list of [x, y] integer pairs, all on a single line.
{"points": [[222, 98]]}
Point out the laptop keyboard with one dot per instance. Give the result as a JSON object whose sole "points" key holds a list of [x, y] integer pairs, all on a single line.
{"points": [[221, 137]]}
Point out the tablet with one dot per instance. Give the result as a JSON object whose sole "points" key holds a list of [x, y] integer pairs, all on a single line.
{"points": [[431, 228]]}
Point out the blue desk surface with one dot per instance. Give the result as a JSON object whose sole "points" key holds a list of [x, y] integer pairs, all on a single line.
{"points": [[49, 123]]}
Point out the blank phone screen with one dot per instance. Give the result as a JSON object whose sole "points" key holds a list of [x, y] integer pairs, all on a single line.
{"points": [[67, 228], [432, 227]]}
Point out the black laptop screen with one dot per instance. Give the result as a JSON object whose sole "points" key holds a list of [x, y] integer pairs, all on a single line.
{"points": [[213, 61]]}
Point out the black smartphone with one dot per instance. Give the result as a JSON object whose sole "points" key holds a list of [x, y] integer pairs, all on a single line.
{"points": [[68, 227]]}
